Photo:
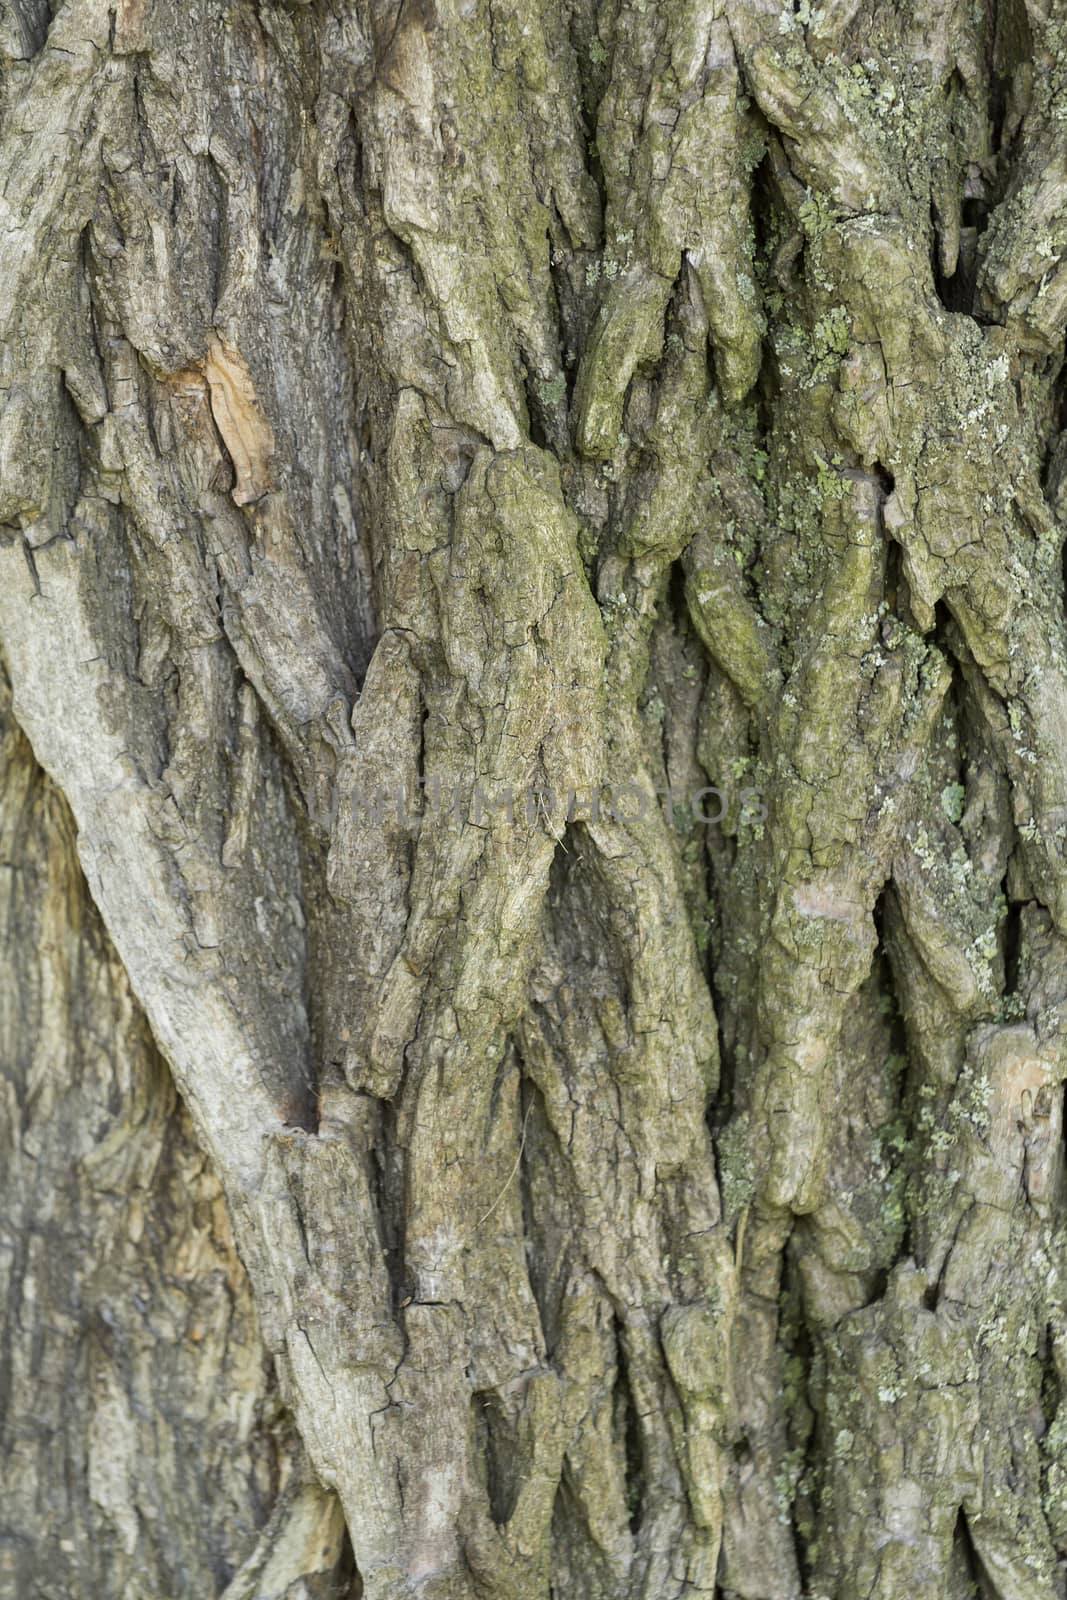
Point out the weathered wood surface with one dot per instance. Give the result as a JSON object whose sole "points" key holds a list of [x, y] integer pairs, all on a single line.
{"points": [[529, 396]]}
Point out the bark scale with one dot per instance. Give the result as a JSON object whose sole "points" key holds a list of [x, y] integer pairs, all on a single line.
{"points": [[616, 401]]}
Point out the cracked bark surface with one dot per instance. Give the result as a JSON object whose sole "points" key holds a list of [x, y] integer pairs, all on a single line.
{"points": [[597, 400]]}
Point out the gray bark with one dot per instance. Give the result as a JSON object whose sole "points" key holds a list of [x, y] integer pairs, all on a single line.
{"points": [[594, 400]]}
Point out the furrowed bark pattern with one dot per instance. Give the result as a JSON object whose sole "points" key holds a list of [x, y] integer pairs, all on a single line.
{"points": [[144, 1440], [545, 399]]}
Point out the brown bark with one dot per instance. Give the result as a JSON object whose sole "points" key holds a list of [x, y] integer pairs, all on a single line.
{"points": [[549, 415]]}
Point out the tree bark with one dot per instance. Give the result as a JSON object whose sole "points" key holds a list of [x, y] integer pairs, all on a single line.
{"points": [[533, 789]]}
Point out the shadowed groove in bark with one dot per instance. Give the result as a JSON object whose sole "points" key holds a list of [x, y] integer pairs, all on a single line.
{"points": [[968, 1565], [628, 1435]]}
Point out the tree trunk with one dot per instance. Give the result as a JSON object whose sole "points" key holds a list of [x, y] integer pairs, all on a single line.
{"points": [[536, 701]]}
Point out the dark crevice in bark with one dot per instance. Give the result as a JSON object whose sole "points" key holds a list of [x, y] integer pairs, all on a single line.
{"points": [[721, 1105], [968, 1561], [719, 859], [348, 1578], [974, 213], [593, 63], [540, 428], [950, 640], [494, 1449], [886, 483], [385, 1165], [779, 242], [675, 603], [957, 292], [627, 1425], [895, 583], [932, 1292], [1058, 411], [799, 1347], [1012, 937], [904, 1129], [1052, 1393], [879, 1281], [546, 1293], [563, 266], [303, 1114]]}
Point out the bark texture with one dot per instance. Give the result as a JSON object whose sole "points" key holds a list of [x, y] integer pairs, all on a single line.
{"points": [[482, 398]]}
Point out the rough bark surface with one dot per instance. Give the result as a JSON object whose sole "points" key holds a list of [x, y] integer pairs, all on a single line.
{"points": [[486, 398]]}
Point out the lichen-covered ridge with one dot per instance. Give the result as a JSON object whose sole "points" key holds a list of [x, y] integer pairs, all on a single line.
{"points": [[582, 400]]}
